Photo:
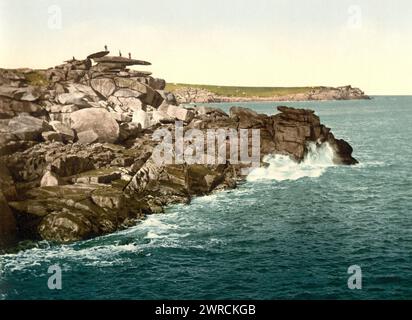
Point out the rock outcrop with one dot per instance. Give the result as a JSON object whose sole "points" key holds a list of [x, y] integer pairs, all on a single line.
{"points": [[78, 148], [8, 229], [97, 122]]}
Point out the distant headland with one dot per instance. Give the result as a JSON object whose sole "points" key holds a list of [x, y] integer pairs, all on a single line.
{"points": [[190, 93]]}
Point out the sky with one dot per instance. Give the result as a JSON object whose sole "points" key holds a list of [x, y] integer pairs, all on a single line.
{"points": [[365, 43]]}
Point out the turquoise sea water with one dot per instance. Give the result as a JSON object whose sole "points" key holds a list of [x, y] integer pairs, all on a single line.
{"points": [[288, 236]]}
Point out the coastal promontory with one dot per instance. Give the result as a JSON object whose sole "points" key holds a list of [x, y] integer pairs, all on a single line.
{"points": [[78, 148]]}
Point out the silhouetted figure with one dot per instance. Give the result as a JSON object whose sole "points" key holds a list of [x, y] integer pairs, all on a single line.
{"points": [[130, 55], [120, 53], [74, 59], [105, 47]]}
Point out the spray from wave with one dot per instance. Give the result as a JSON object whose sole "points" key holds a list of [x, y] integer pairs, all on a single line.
{"points": [[282, 167]]}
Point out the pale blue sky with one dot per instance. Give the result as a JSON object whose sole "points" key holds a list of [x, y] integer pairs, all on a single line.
{"points": [[238, 42]]}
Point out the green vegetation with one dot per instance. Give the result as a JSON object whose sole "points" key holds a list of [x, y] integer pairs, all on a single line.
{"points": [[231, 91], [36, 78]]}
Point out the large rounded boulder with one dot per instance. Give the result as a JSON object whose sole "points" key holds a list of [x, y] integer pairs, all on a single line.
{"points": [[66, 227], [97, 122]]}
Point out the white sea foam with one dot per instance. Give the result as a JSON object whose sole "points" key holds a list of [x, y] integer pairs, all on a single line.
{"points": [[206, 199], [152, 235], [370, 164], [282, 167], [104, 255]]}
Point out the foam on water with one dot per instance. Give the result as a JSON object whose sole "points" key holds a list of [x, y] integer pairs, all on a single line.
{"points": [[282, 167], [104, 255], [103, 251]]}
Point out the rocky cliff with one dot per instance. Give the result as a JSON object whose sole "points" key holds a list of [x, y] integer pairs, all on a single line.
{"points": [[187, 94], [77, 148]]}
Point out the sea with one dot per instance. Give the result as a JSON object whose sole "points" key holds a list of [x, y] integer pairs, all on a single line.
{"points": [[290, 231]]}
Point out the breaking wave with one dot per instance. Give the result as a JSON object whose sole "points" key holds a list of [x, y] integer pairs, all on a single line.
{"points": [[282, 167]]}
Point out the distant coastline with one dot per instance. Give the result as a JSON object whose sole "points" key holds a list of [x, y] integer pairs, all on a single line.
{"points": [[189, 93]]}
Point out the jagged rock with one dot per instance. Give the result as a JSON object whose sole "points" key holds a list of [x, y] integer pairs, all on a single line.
{"points": [[50, 179], [294, 127], [76, 212], [52, 136], [180, 113], [7, 186], [104, 176], [87, 137], [168, 183], [168, 97], [203, 179], [108, 198], [343, 151], [121, 60], [127, 93], [98, 120], [99, 54], [107, 68], [142, 118], [81, 64], [8, 230], [7, 75], [10, 108], [61, 117], [131, 103], [122, 117], [160, 116], [82, 88], [157, 84], [106, 87], [28, 127], [195, 95], [65, 227], [129, 131], [203, 110], [147, 94], [178, 183], [64, 130], [8, 145], [72, 159], [139, 73], [60, 108], [75, 75], [247, 118], [55, 75], [29, 93], [75, 98]]}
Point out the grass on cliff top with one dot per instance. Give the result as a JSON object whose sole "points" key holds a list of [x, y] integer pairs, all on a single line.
{"points": [[231, 91], [37, 78]]}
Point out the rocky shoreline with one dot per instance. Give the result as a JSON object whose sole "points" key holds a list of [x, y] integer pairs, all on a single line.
{"points": [[77, 148], [186, 95]]}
